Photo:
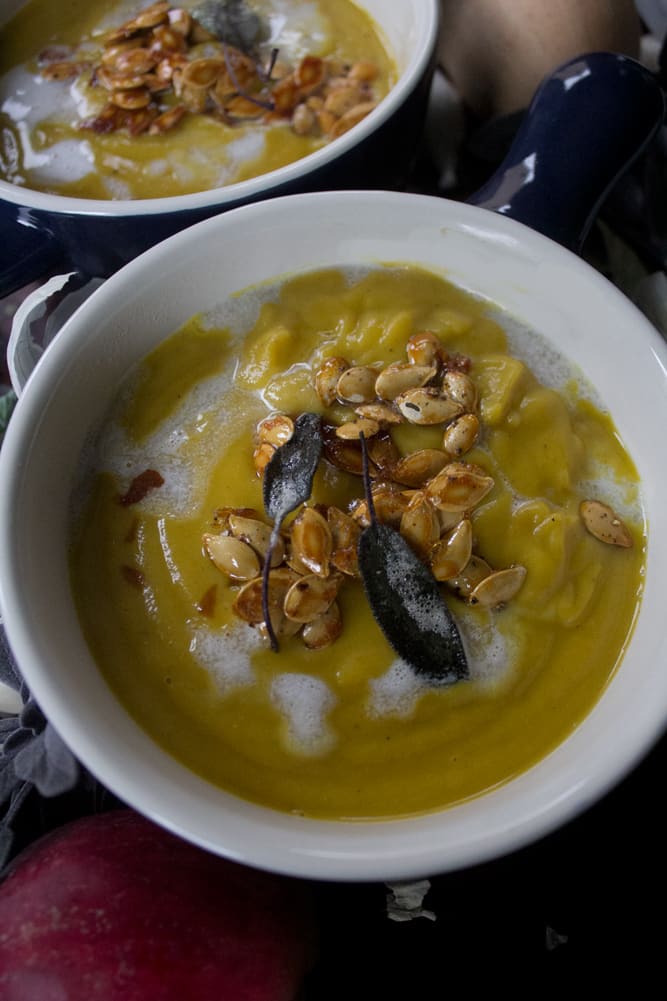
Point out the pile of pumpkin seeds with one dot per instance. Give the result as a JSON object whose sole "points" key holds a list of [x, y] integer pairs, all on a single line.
{"points": [[428, 496]]}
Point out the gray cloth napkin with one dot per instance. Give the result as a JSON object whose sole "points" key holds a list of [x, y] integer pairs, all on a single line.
{"points": [[32, 754]]}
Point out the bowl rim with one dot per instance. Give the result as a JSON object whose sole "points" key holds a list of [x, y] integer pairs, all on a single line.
{"points": [[396, 849], [254, 187]]}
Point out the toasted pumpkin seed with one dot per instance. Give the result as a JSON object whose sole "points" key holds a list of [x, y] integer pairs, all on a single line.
{"points": [[426, 406], [232, 556], [476, 570], [303, 120], [310, 596], [363, 70], [450, 556], [167, 120], [262, 456], [345, 532], [351, 118], [354, 429], [461, 434], [112, 52], [459, 387], [129, 61], [459, 486], [180, 20], [257, 535], [414, 470], [248, 602], [498, 587], [221, 516], [311, 541], [383, 453], [389, 507], [424, 348], [357, 384], [275, 429], [342, 99], [203, 73], [131, 98], [342, 453], [380, 412], [604, 524], [151, 16], [323, 630], [399, 377], [420, 526]]}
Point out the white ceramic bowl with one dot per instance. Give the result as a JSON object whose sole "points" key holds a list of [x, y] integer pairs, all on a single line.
{"points": [[530, 277], [43, 234]]}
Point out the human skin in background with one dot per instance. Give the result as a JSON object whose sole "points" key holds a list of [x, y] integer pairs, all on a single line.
{"points": [[496, 52]]}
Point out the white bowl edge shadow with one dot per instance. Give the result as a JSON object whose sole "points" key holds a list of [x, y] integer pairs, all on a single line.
{"points": [[581, 769]]}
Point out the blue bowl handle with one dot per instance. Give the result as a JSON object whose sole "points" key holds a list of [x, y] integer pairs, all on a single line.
{"points": [[28, 252], [589, 120]]}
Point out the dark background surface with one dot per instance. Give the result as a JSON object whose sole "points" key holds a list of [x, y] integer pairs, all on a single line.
{"points": [[587, 900]]}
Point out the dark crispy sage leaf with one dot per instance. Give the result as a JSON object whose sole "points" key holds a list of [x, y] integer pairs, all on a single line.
{"points": [[406, 601], [407, 604], [288, 482], [288, 477], [233, 22]]}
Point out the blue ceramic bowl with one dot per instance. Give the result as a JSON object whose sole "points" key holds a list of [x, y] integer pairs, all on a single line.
{"points": [[43, 234]]}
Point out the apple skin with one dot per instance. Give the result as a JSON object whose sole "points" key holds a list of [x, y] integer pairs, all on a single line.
{"points": [[113, 907]]}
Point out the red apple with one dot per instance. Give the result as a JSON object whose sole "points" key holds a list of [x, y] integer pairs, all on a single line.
{"points": [[112, 907]]}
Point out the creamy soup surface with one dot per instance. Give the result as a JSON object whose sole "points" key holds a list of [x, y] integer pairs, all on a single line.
{"points": [[123, 100], [348, 730]]}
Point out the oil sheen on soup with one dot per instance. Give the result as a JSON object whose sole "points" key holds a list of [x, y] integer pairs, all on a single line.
{"points": [[486, 452], [126, 100]]}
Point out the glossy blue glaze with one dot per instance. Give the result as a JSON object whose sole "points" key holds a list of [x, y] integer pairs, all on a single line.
{"points": [[35, 243], [586, 124]]}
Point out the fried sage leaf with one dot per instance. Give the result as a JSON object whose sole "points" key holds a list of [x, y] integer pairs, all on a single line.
{"points": [[233, 22], [406, 601], [288, 482], [288, 477]]}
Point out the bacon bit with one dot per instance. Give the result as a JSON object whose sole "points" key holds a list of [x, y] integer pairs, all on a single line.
{"points": [[54, 54], [132, 531], [109, 119], [206, 604], [65, 70], [457, 362], [141, 485], [140, 120], [133, 576], [167, 120]]}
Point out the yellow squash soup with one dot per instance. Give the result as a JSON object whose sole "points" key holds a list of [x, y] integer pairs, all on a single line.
{"points": [[519, 498], [122, 100]]}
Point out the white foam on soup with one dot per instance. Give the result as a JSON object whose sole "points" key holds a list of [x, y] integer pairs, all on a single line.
{"points": [[489, 652], [245, 149], [226, 654], [296, 28], [397, 691], [183, 449], [304, 702], [68, 160], [32, 99]]}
